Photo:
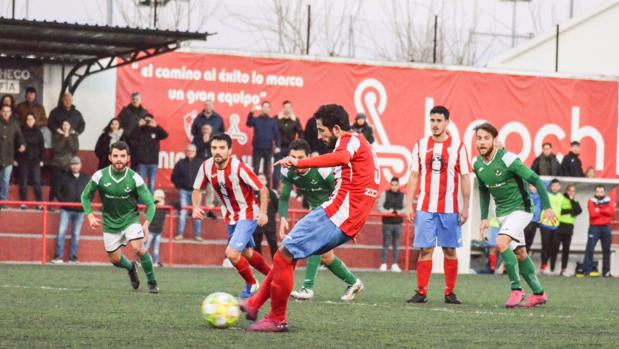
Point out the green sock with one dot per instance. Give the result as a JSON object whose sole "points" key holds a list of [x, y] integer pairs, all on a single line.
{"points": [[511, 264], [147, 265], [340, 270], [527, 270], [311, 271], [124, 263]]}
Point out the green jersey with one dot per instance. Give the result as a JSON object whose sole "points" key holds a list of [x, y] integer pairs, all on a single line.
{"points": [[505, 177], [316, 186], [119, 194]]}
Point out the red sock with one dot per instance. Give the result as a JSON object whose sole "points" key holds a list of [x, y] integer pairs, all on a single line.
{"points": [[258, 263], [245, 271], [424, 269], [451, 274], [281, 286], [492, 260], [263, 294]]}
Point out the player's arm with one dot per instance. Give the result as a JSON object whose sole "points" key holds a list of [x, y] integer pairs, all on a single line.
{"points": [[522, 171], [282, 207], [413, 181], [249, 177], [86, 197], [337, 158], [147, 198], [484, 206], [263, 219], [465, 179]]}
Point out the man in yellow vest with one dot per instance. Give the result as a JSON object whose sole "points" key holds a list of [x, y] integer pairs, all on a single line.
{"points": [[548, 228], [570, 208]]}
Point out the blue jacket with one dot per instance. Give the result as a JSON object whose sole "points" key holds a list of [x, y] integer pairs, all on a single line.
{"points": [[537, 206], [265, 131]]}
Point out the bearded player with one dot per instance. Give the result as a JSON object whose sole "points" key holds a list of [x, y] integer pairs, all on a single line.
{"points": [[235, 184], [503, 176], [440, 166], [335, 222], [315, 185], [119, 189]]}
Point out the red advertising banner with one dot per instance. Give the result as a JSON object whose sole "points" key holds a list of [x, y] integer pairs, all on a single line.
{"points": [[528, 110]]}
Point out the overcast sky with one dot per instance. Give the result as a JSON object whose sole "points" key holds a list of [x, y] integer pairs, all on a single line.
{"points": [[363, 29]]}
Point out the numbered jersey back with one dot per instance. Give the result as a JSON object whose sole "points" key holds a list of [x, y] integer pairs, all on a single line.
{"points": [[356, 185]]}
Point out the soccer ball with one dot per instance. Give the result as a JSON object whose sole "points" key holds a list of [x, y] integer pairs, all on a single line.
{"points": [[221, 310]]}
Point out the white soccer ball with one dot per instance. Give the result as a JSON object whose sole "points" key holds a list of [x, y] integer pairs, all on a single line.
{"points": [[221, 310]]}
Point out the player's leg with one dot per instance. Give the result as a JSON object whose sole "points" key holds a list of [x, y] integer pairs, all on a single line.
{"points": [[510, 261], [135, 235], [245, 232], [309, 279], [258, 240], [339, 269], [272, 241], [528, 272], [256, 260], [425, 240], [529, 235], [241, 236], [449, 237], [113, 243]]}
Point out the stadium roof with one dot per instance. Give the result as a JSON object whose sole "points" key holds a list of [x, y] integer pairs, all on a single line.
{"points": [[88, 48]]}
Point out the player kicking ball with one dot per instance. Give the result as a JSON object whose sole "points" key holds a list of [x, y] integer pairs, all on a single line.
{"points": [[315, 185], [502, 175], [335, 222], [235, 184], [119, 189]]}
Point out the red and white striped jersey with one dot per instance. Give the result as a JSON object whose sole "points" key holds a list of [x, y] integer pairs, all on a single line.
{"points": [[235, 186], [440, 165], [357, 177]]}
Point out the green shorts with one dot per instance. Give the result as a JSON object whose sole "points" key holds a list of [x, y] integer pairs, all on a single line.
{"points": [[114, 241]]}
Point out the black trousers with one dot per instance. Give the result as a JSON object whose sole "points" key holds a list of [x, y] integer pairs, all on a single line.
{"points": [[266, 155], [562, 236], [529, 234], [271, 239], [29, 171], [547, 243]]}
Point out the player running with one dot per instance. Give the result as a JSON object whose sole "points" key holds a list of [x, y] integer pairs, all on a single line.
{"points": [[315, 185], [119, 189], [440, 165], [235, 184], [335, 222], [503, 175]]}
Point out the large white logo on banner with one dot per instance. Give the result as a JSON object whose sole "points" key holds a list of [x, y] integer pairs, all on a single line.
{"points": [[394, 160]]}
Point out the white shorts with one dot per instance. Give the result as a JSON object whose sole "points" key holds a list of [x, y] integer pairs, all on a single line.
{"points": [[513, 226], [114, 241]]}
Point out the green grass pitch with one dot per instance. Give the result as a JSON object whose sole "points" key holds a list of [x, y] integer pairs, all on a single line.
{"points": [[94, 307]]}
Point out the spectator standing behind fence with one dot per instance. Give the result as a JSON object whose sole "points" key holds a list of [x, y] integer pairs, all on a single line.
{"points": [[65, 146], [571, 166], [590, 172], [267, 230], [129, 118], [570, 208], [112, 133], [66, 111], [72, 184], [392, 202], [549, 229], [30, 105], [290, 129], [266, 137], [546, 164], [156, 226], [11, 138], [362, 127], [317, 146], [10, 101], [531, 229], [203, 142], [146, 151], [208, 116], [29, 162], [183, 176], [601, 210]]}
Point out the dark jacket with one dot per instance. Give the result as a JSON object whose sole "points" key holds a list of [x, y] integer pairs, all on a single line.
{"points": [[203, 150], [366, 130], [549, 163], [265, 131], [60, 114], [35, 150], [392, 202], [311, 136], [71, 188], [156, 226], [147, 141], [185, 172], [129, 117], [64, 148], [271, 210], [289, 130], [102, 149], [571, 166], [24, 108], [11, 138], [215, 120]]}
